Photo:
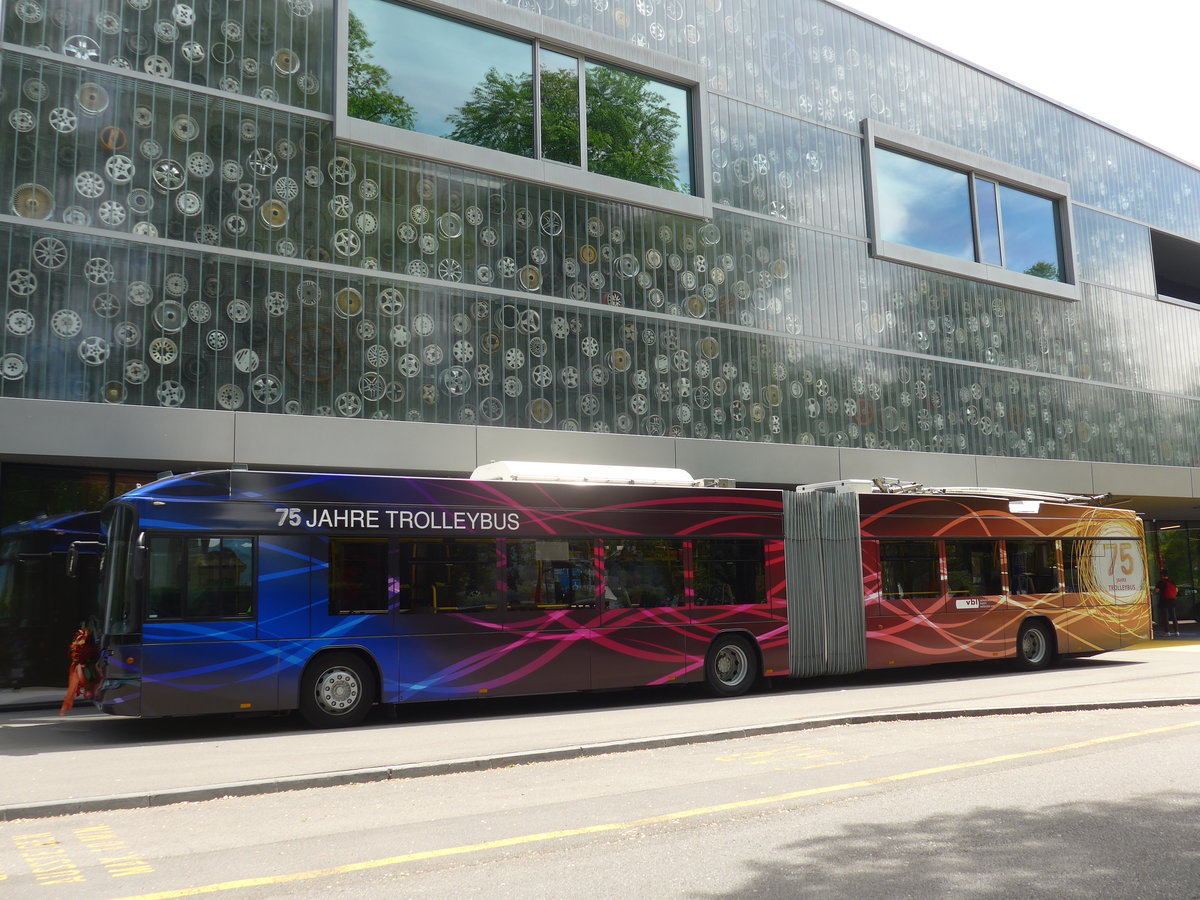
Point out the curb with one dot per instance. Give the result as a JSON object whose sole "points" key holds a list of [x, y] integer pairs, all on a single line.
{"points": [[148, 800]]}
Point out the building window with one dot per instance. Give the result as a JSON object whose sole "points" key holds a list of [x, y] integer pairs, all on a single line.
{"points": [[941, 208], [480, 87], [1176, 267]]}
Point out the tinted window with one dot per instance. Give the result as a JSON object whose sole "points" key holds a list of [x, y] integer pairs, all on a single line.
{"points": [[549, 574], [988, 212], [447, 576], [413, 69], [358, 576], [1032, 567], [909, 569], [973, 568], [728, 572], [200, 578], [643, 573]]}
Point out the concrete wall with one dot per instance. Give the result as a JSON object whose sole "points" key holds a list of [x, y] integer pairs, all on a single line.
{"points": [[40, 431]]}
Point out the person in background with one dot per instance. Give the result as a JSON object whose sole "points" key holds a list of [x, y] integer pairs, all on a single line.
{"points": [[1168, 593]]}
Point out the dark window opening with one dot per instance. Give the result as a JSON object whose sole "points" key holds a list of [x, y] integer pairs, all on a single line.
{"points": [[358, 576], [729, 572], [1176, 267]]}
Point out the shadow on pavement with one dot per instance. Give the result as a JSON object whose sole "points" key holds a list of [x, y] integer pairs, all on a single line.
{"points": [[1144, 848]]}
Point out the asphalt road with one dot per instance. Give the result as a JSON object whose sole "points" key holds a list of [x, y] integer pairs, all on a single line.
{"points": [[88, 761], [1087, 804]]}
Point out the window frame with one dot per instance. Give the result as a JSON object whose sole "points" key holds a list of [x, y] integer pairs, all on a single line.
{"points": [[973, 165], [558, 37]]}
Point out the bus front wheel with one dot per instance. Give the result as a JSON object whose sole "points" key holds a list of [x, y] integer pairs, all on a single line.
{"points": [[1035, 646], [730, 667], [337, 690]]}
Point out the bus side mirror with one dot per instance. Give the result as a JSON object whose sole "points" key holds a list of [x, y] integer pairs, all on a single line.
{"points": [[78, 548]]}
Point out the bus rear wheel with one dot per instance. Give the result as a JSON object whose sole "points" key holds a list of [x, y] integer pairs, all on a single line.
{"points": [[730, 667], [1035, 648], [337, 691]]}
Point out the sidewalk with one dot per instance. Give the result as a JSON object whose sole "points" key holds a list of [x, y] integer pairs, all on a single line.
{"points": [[88, 761]]}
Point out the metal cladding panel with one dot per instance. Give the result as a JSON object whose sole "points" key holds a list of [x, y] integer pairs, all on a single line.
{"points": [[827, 633], [841, 552]]}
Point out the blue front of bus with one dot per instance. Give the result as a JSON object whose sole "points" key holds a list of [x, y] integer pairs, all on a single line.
{"points": [[121, 644]]}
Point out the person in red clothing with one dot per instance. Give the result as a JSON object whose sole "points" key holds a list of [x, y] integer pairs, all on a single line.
{"points": [[1168, 593]]}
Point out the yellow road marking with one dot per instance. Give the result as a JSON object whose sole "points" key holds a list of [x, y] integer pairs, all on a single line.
{"points": [[541, 837]]}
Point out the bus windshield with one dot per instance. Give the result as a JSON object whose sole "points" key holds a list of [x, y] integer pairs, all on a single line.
{"points": [[119, 618]]}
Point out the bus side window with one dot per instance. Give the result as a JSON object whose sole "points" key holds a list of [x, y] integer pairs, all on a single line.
{"points": [[200, 578], [973, 568], [1032, 567], [909, 570], [220, 578], [728, 572], [358, 576], [644, 573], [165, 579]]}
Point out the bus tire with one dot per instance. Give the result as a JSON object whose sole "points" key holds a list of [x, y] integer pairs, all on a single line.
{"points": [[731, 667], [1035, 647], [337, 690]]}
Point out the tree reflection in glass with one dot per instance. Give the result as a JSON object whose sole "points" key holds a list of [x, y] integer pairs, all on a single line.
{"points": [[475, 86], [560, 106], [633, 128]]}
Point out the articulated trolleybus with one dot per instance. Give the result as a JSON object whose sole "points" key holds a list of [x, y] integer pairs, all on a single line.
{"points": [[273, 591]]}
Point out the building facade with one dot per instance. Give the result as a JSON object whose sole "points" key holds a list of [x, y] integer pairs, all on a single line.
{"points": [[764, 239]]}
